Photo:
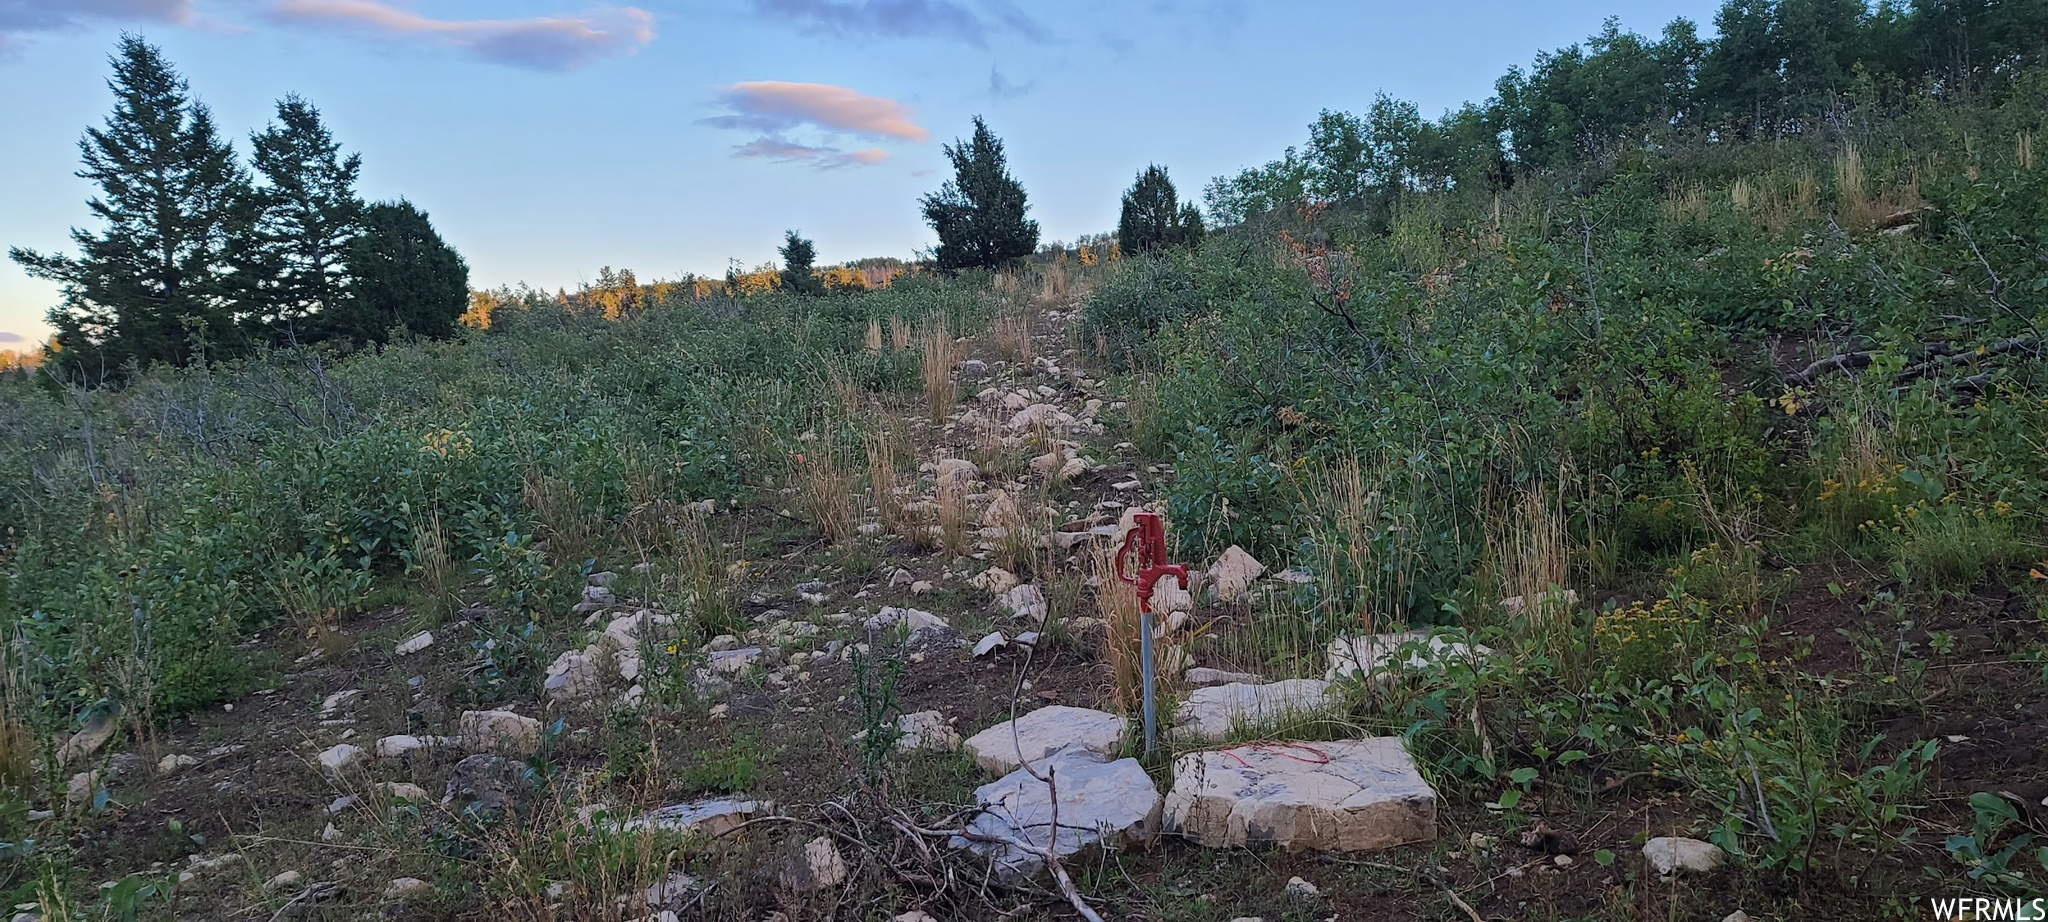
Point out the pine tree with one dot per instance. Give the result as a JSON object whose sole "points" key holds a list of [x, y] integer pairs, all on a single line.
{"points": [[153, 281], [400, 275], [1153, 216], [292, 267], [798, 255], [979, 214]]}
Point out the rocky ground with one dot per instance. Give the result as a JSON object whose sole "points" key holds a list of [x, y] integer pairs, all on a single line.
{"points": [[846, 748]]}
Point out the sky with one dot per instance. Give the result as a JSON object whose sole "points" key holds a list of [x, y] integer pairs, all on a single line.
{"points": [[550, 138]]}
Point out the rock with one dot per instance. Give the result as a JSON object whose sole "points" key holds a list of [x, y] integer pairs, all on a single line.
{"points": [[914, 916], [400, 746], [97, 731], [819, 868], [1233, 573], [973, 370], [414, 644], [1044, 732], [918, 621], [603, 578], [498, 731], [1001, 512], [1039, 413], [1125, 485], [1106, 804], [598, 595], [404, 790], [338, 702], [1049, 462], [1168, 597], [407, 888], [721, 643], [343, 759], [670, 892], [1515, 605], [1368, 796], [1298, 889], [83, 788], [922, 587], [573, 678], [711, 817], [1074, 467], [174, 762], [284, 881], [989, 644], [1203, 675], [1025, 602], [1736, 916], [995, 581], [1376, 655], [956, 472], [486, 786], [733, 662], [1210, 714], [926, 730], [1295, 576], [1670, 854]]}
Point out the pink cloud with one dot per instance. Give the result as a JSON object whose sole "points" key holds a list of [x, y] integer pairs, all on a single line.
{"points": [[540, 42], [777, 105]]}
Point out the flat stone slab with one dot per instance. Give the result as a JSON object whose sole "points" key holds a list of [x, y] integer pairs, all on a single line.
{"points": [[710, 817], [1382, 657], [1211, 713], [1101, 804], [1044, 732], [1366, 796]]}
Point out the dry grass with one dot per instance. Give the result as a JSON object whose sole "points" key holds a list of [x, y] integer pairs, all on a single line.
{"points": [[706, 572], [432, 569], [570, 528], [993, 455], [873, 341], [884, 444], [953, 517], [899, 334], [1142, 411], [1690, 204], [1012, 336], [845, 390], [1347, 511], [824, 488], [941, 356], [2023, 150], [1052, 285], [1117, 605]]}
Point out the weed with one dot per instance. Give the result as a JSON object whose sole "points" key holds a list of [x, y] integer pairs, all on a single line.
{"points": [[941, 354]]}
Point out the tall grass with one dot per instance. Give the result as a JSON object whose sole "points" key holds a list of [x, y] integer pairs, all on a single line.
{"points": [[941, 356], [883, 444]]}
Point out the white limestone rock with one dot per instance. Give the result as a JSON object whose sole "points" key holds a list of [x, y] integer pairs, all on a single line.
{"points": [[498, 731], [1366, 796], [1044, 732], [1382, 657], [1101, 804], [1671, 854], [1233, 573], [1211, 713]]}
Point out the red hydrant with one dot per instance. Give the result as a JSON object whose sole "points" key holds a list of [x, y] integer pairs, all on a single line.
{"points": [[1144, 547]]}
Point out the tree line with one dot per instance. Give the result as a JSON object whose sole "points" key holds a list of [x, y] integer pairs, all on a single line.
{"points": [[1775, 68], [198, 257]]}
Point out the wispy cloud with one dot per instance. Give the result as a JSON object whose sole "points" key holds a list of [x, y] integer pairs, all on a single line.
{"points": [[953, 20], [554, 43], [824, 158], [21, 17], [776, 105], [6, 337], [1001, 87]]}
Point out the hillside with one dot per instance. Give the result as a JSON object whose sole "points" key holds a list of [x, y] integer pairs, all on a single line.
{"points": [[1619, 500]]}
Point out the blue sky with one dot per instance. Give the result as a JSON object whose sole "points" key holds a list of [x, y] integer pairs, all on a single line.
{"points": [[548, 138]]}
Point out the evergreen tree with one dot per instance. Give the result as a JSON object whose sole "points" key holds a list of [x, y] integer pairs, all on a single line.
{"points": [[979, 214], [798, 255], [1153, 216], [400, 275], [153, 281], [306, 213]]}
